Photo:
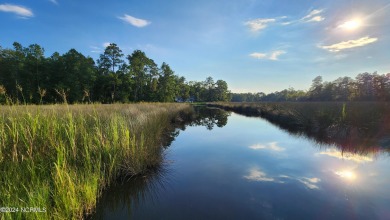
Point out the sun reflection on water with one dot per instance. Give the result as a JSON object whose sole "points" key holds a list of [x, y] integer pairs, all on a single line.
{"points": [[346, 174]]}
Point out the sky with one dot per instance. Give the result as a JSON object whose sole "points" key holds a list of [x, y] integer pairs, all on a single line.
{"points": [[254, 45]]}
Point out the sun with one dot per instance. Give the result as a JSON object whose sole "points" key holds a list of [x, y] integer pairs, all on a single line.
{"points": [[351, 24]]}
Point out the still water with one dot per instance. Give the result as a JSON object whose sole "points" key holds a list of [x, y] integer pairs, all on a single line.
{"points": [[251, 169]]}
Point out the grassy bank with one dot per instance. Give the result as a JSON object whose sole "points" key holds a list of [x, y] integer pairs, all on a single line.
{"points": [[358, 127], [59, 158]]}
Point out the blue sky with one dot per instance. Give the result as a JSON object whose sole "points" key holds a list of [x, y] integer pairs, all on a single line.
{"points": [[254, 45]]}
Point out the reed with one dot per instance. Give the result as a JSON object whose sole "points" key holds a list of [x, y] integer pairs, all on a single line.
{"points": [[59, 158]]}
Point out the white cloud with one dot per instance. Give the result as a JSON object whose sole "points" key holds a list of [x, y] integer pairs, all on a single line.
{"points": [[54, 1], [310, 182], [274, 55], [259, 24], [106, 44], [349, 44], [19, 10], [285, 176], [137, 22], [316, 18], [313, 16], [258, 55], [270, 146], [257, 175], [287, 23], [312, 13], [346, 156]]}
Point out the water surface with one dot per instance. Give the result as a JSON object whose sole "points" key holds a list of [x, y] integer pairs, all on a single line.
{"points": [[247, 168]]}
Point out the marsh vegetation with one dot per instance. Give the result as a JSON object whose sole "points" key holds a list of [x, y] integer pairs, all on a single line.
{"points": [[60, 157]]}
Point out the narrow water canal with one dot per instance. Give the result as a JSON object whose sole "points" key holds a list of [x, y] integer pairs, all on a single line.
{"points": [[247, 168]]}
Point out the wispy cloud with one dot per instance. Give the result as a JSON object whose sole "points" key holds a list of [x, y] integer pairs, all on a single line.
{"points": [[96, 49], [106, 44], [137, 22], [313, 16], [330, 58], [347, 156], [287, 23], [316, 18], [259, 24], [54, 1], [19, 10], [350, 44], [274, 55], [99, 49], [258, 55], [270, 146], [310, 182], [256, 25], [256, 174]]}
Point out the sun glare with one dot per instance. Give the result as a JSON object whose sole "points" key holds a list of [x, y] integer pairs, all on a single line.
{"points": [[351, 24], [346, 174]]}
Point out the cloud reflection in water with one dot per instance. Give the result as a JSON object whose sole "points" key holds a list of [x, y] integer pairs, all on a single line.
{"points": [[256, 174], [270, 146], [346, 156], [310, 182], [346, 174]]}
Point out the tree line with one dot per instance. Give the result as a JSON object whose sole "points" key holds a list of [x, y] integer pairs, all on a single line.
{"points": [[27, 76], [364, 87]]}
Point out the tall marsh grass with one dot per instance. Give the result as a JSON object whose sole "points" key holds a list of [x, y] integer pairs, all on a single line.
{"points": [[58, 158]]}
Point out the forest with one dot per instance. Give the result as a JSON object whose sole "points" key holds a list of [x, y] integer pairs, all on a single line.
{"points": [[365, 87], [27, 76]]}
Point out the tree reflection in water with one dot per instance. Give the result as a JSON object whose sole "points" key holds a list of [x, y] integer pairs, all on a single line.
{"points": [[359, 128], [209, 117], [127, 193]]}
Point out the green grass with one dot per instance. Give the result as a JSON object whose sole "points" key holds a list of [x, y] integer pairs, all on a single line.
{"points": [[61, 157]]}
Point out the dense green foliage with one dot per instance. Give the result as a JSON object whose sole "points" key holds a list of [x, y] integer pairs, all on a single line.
{"points": [[365, 87], [27, 76], [60, 157]]}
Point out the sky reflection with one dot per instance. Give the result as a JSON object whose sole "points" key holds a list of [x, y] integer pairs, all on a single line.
{"points": [[347, 156], [346, 174], [270, 146], [310, 182], [250, 169], [256, 174]]}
